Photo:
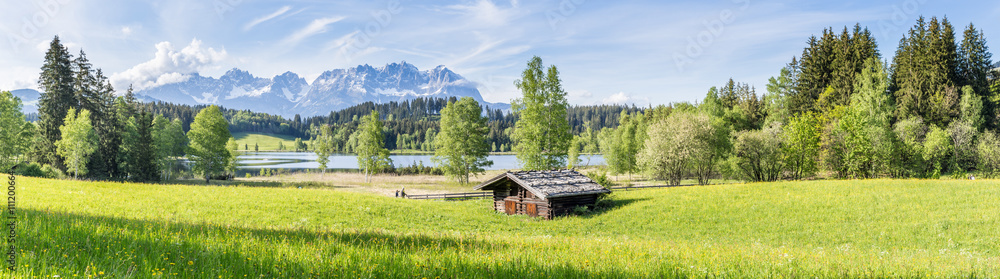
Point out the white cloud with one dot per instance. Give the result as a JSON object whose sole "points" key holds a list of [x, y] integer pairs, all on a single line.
{"points": [[169, 66], [485, 11], [262, 19], [315, 27], [126, 30], [622, 98]]}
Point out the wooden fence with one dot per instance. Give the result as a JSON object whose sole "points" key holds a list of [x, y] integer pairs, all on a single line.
{"points": [[485, 194], [650, 186]]}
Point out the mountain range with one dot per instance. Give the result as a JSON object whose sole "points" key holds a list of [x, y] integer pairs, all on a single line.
{"points": [[289, 94]]}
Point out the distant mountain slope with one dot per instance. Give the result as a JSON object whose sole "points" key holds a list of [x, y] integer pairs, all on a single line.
{"points": [[29, 99], [288, 94]]}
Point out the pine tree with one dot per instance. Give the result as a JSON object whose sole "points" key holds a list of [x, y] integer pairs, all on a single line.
{"points": [[143, 152], [56, 82], [974, 66], [925, 71]]}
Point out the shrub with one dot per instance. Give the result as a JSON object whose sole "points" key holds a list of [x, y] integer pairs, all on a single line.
{"points": [[937, 147], [52, 172], [988, 151], [32, 170], [909, 148], [757, 154], [601, 178]]}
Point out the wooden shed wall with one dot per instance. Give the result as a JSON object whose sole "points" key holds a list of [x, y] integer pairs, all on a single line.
{"points": [[561, 206], [520, 201]]}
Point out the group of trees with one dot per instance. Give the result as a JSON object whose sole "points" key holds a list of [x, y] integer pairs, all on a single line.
{"points": [[83, 128], [838, 108], [409, 125]]}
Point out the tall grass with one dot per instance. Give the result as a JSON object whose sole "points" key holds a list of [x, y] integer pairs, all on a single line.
{"points": [[873, 228]]}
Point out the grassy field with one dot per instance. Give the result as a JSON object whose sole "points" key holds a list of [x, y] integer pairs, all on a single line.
{"points": [[266, 142], [873, 228]]}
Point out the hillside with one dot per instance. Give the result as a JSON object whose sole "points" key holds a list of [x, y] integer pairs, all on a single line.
{"points": [[871, 228], [264, 141]]}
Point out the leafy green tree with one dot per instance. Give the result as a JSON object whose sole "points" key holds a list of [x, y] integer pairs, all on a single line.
{"points": [[590, 144], [909, 158], [373, 157], [234, 154], [801, 137], [865, 126], [209, 134], [937, 147], [323, 145], [542, 133], [779, 91], [462, 146], [757, 154], [988, 152], [685, 142], [16, 132], [78, 141], [965, 130], [56, 82], [169, 140], [299, 145], [621, 145]]}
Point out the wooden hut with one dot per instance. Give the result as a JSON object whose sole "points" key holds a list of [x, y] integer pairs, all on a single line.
{"points": [[544, 194]]}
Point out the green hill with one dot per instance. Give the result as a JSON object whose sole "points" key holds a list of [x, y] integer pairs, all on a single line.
{"points": [[266, 142], [872, 228]]}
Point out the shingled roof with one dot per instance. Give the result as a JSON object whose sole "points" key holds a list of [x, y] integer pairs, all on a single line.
{"points": [[548, 184]]}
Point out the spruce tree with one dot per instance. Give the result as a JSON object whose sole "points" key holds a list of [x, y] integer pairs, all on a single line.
{"points": [[143, 153], [974, 66], [56, 82]]}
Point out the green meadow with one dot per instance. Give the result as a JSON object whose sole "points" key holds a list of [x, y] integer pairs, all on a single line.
{"points": [[824, 229], [265, 142]]}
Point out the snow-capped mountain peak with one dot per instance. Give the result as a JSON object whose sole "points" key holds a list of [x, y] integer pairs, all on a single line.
{"points": [[288, 94]]}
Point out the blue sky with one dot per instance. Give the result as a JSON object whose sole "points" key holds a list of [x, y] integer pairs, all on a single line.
{"points": [[607, 51]]}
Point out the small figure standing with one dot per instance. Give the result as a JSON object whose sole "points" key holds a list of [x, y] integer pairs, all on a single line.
{"points": [[397, 193]]}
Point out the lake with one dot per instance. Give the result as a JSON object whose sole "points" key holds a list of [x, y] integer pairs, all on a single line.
{"points": [[307, 160]]}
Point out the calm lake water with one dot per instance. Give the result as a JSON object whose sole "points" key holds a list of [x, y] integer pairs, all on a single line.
{"points": [[307, 160]]}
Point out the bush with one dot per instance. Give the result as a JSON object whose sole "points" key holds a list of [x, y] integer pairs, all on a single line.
{"points": [[414, 169], [52, 172], [988, 151], [601, 178], [937, 147], [757, 154], [36, 170]]}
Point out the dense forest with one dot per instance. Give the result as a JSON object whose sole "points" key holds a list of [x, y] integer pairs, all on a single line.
{"points": [[838, 110]]}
